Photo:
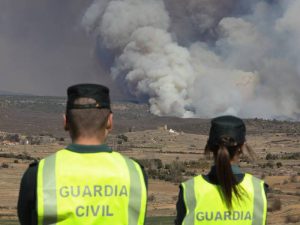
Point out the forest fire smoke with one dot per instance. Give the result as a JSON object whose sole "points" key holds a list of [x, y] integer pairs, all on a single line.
{"points": [[202, 57]]}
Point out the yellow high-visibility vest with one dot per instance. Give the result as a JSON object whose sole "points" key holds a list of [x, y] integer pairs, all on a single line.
{"points": [[205, 205], [90, 189]]}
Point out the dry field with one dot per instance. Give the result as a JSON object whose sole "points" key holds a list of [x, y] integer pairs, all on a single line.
{"points": [[281, 174], [169, 157]]}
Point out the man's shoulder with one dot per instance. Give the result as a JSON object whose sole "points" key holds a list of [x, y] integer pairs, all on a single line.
{"points": [[35, 163], [32, 167], [31, 172], [254, 178], [127, 158], [54, 154]]}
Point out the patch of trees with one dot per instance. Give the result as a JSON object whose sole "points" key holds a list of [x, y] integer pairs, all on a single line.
{"points": [[174, 172], [24, 156], [284, 156], [292, 219], [32, 140]]}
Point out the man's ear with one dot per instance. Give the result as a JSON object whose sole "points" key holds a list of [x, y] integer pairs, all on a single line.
{"points": [[66, 125], [109, 124]]}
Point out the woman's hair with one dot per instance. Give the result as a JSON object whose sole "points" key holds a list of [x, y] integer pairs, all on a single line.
{"points": [[226, 140]]}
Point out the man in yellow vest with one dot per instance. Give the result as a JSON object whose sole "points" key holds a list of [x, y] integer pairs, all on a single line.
{"points": [[226, 195], [85, 183]]}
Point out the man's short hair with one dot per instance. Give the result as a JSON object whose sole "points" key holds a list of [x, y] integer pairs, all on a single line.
{"points": [[86, 122]]}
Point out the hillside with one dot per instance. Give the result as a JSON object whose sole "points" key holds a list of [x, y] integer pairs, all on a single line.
{"points": [[36, 115]]}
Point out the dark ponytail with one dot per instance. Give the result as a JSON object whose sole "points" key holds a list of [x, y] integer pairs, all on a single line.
{"points": [[225, 175], [223, 154]]}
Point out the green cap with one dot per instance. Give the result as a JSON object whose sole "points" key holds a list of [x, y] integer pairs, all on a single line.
{"points": [[97, 92], [229, 126]]}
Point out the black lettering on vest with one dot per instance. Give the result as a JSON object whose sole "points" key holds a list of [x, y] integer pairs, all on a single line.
{"points": [[107, 211], [227, 215], [64, 192], [236, 215], [95, 211], [116, 190], [200, 216], [97, 190], [207, 216], [103, 211], [87, 211], [78, 214], [123, 191], [218, 216], [87, 191], [108, 190], [247, 216], [75, 191]]}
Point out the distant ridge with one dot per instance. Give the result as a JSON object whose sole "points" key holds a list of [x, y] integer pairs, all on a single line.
{"points": [[12, 93]]}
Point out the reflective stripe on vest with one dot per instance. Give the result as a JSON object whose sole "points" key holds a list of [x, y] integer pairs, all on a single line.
{"points": [[204, 204], [92, 188]]}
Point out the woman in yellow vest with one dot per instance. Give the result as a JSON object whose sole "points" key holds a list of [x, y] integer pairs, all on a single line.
{"points": [[225, 195]]}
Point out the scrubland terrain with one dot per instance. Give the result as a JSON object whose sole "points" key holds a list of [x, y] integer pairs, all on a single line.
{"points": [[170, 149]]}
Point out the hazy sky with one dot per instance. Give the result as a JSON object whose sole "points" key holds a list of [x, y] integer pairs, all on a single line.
{"points": [[43, 48], [175, 55]]}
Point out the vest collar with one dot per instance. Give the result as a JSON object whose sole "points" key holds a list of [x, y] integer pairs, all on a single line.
{"points": [[235, 170], [89, 148]]}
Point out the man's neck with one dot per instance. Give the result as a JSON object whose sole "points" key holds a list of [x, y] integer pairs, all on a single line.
{"points": [[88, 141]]}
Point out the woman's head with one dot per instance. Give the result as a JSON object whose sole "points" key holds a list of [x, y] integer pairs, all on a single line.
{"points": [[228, 132], [226, 141]]}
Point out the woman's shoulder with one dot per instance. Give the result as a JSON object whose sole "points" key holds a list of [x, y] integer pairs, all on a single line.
{"points": [[192, 180], [259, 180]]}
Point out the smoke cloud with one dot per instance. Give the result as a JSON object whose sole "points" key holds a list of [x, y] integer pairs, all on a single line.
{"points": [[204, 57]]}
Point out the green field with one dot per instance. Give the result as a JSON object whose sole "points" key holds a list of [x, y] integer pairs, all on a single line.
{"points": [[150, 221]]}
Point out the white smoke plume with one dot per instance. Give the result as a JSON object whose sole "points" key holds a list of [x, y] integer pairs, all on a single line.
{"points": [[204, 57]]}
